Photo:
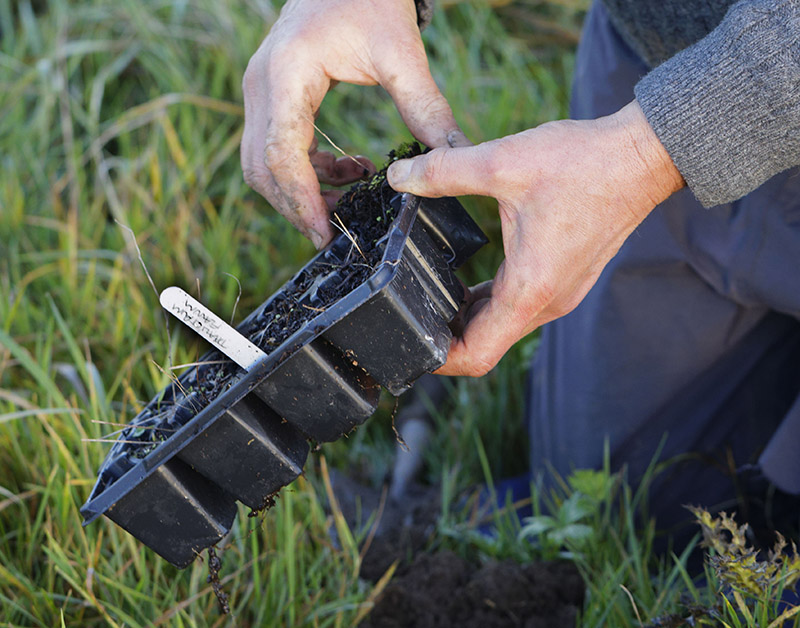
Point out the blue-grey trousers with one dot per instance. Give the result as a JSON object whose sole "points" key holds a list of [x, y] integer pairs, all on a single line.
{"points": [[690, 338]]}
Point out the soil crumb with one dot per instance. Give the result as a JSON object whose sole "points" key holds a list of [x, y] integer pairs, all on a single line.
{"points": [[441, 590], [214, 566]]}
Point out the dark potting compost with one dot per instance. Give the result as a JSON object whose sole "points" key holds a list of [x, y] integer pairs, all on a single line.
{"points": [[370, 310], [434, 588], [443, 590]]}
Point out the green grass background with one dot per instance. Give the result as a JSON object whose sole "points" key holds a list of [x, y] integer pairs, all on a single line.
{"points": [[120, 122]]}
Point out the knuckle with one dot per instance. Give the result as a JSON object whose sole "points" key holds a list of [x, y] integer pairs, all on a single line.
{"points": [[251, 78], [431, 166], [276, 155], [263, 65], [528, 303], [530, 307], [542, 301], [479, 366], [477, 360], [304, 34], [434, 105], [494, 170], [257, 178], [567, 305], [543, 293]]}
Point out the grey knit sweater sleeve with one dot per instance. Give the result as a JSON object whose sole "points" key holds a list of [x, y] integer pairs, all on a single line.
{"points": [[727, 108]]}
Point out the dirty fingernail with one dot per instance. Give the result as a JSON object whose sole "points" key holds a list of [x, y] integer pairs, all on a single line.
{"points": [[369, 167], [398, 172], [316, 238], [457, 139]]}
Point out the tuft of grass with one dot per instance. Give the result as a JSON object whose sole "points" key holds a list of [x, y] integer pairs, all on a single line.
{"points": [[746, 588]]}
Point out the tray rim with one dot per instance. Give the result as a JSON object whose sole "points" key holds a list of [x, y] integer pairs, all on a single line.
{"points": [[244, 382]]}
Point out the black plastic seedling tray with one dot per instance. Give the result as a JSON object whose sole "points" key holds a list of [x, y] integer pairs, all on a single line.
{"points": [[222, 433]]}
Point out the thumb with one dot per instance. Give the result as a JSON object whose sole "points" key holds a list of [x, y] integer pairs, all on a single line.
{"points": [[442, 172]]}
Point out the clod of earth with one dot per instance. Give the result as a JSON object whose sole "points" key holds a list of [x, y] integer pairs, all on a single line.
{"points": [[439, 590]]}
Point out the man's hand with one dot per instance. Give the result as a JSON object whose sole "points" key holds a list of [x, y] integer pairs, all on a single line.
{"points": [[569, 194], [313, 45]]}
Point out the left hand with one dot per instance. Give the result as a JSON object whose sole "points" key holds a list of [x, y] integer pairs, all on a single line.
{"points": [[311, 47], [569, 194]]}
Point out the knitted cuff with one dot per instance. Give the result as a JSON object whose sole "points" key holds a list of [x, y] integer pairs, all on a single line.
{"points": [[424, 12], [727, 108]]}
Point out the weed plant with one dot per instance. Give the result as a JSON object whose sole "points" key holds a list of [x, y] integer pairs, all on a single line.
{"points": [[596, 520]]}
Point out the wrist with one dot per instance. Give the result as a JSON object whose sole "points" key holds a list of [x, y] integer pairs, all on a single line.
{"points": [[652, 169]]}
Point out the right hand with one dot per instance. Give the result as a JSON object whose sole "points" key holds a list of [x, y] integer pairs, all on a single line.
{"points": [[313, 45], [569, 193]]}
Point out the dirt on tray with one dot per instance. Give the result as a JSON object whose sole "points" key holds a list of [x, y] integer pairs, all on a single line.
{"points": [[363, 214], [442, 589]]}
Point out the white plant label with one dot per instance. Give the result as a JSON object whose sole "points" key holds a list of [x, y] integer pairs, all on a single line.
{"points": [[204, 322]]}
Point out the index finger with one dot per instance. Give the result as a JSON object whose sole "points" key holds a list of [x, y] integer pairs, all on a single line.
{"points": [[278, 131]]}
